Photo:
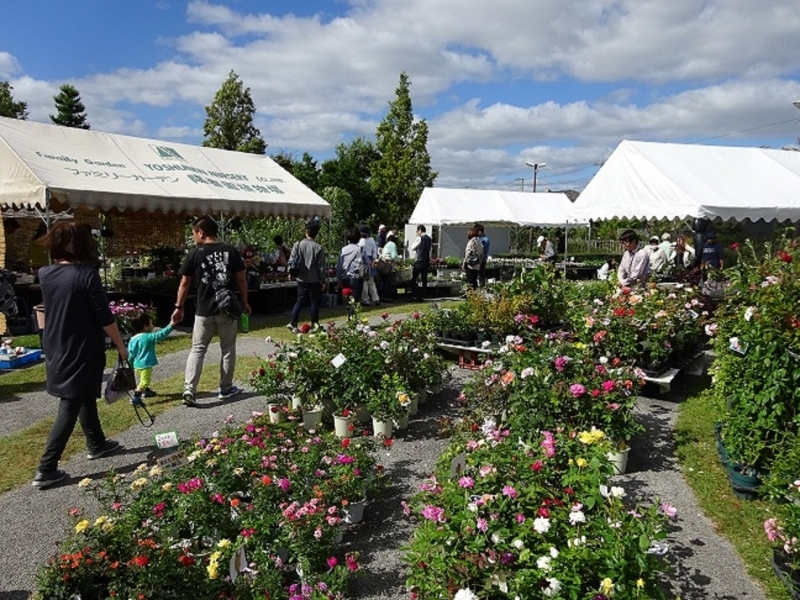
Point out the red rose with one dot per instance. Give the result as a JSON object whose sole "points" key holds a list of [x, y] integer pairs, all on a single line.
{"points": [[305, 328], [187, 560], [785, 256], [345, 442], [139, 561], [735, 246]]}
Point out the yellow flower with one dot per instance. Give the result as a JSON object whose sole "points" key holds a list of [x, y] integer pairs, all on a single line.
{"points": [[82, 526], [213, 565], [156, 471], [224, 543], [640, 583], [167, 486], [100, 520], [140, 469], [403, 399], [108, 526], [211, 462], [139, 484], [606, 586], [581, 462], [85, 482], [590, 437], [238, 471]]}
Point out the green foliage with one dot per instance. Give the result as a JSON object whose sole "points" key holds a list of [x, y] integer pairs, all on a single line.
{"points": [[341, 210], [10, 107], [403, 169], [71, 111], [350, 170], [229, 119]]}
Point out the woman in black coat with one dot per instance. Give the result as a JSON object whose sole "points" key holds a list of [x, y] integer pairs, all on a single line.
{"points": [[77, 319]]}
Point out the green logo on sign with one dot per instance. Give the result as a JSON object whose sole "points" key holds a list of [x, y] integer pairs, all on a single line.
{"points": [[167, 153]]}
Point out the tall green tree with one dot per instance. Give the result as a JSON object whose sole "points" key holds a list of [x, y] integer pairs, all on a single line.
{"points": [[305, 169], [10, 107], [71, 111], [229, 119], [404, 167], [341, 210], [350, 170]]}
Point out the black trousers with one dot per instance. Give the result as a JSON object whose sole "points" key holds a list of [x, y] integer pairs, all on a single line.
{"points": [[71, 410], [420, 271], [312, 291]]}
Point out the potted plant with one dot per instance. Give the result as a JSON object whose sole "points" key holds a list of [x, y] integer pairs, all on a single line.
{"points": [[390, 401], [269, 380]]}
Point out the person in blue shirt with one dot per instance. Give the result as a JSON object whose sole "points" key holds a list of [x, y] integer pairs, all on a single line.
{"points": [[484, 239], [142, 353]]}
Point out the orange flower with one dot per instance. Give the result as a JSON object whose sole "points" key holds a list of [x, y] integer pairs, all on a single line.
{"points": [[235, 502], [266, 480], [139, 561]]}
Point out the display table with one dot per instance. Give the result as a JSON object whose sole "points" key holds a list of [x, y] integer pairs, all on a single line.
{"points": [[469, 357]]}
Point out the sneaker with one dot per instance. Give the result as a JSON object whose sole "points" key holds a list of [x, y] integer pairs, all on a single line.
{"points": [[229, 393], [136, 400], [45, 480], [316, 328], [293, 328], [110, 447], [148, 393], [188, 398]]}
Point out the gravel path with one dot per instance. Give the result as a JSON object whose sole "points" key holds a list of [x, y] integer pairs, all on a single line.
{"points": [[704, 565]]}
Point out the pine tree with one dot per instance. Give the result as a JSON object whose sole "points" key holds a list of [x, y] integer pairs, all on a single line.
{"points": [[71, 111], [404, 167], [8, 106], [229, 119]]}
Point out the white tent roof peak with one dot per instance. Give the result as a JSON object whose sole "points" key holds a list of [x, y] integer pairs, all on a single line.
{"points": [[444, 206], [649, 180], [104, 170]]}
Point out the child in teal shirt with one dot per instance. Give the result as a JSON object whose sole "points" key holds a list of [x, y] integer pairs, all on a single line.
{"points": [[142, 353]]}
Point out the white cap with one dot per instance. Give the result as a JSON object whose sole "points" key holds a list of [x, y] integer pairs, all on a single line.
{"points": [[666, 236], [540, 239], [381, 227]]}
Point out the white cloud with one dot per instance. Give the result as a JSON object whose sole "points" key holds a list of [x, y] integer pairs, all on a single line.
{"points": [[9, 65]]}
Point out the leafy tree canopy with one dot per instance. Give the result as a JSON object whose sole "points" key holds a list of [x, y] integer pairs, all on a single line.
{"points": [[350, 171], [71, 111], [8, 106], [403, 169], [229, 119]]}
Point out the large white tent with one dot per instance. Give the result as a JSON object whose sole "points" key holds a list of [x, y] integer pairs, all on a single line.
{"points": [[648, 180], [443, 206], [105, 171], [454, 210]]}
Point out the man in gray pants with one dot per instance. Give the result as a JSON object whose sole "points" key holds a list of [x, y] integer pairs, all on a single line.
{"points": [[215, 266]]}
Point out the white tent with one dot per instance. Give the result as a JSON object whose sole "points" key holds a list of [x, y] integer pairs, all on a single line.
{"points": [[648, 180], [442, 206], [453, 210], [102, 170]]}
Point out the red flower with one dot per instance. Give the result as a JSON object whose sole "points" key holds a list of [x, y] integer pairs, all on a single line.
{"points": [[388, 442], [537, 466], [415, 315], [785, 256], [345, 442], [735, 246], [139, 561], [385, 316], [187, 560]]}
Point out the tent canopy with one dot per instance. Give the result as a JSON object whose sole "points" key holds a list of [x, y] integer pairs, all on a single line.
{"points": [[647, 180], [102, 170], [442, 206]]}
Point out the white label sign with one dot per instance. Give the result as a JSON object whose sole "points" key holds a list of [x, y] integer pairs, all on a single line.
{"points": [[166, 440]]}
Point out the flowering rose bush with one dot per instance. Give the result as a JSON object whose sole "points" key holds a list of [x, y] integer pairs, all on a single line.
{"points": [[757, 346], [270, 379], [249, 503], [533, 518]]}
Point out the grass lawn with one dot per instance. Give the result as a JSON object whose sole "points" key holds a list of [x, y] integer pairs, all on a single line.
{"points": [[20, 452], [740, 521]]}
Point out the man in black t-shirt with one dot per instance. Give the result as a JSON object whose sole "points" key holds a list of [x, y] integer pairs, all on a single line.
{"points": [[215, 266]]}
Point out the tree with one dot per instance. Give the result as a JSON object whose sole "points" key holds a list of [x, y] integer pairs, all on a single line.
{"points": [[229, 119], [8, 106], [71, 111], [304, 169], [404, 167], [350, 171], [341, 210]]}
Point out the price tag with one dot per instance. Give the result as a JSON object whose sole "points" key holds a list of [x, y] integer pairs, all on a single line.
{"points": [[166, 440], [238, 563], [338, 360], [458, 465], [170, 462]]}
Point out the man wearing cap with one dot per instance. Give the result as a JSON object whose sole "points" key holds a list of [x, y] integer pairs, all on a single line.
{"points": [[381, 239], [548, 252], [634, 268], [658, 260], [713, 257]]}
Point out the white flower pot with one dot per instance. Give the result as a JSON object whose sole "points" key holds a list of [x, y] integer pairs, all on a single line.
{"points": [[312, 418], [355, 511], [381, 428], [401, 422], [276, 414], [341, 425], [413, 406], [619, 460]]}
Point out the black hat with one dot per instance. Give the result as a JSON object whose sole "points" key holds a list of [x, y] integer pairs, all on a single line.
{"points": [[711, 235], [363, 229], [629, 234]]}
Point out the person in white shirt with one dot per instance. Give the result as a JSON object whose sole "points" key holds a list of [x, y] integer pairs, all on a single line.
{"points": [[682, 255], [604, 271], [634, 268], [658, 260], [369, 294], [666, 244]]}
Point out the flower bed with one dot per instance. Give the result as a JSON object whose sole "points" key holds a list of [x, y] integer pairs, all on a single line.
{"points": [[254, 513]]}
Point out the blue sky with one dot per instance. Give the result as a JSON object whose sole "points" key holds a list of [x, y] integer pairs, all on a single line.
{"points": [[499, 83]]}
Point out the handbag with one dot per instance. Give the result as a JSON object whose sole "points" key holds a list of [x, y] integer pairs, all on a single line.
{"points": [[228, 303], [294, 261], [120, 381], [385, 266]]}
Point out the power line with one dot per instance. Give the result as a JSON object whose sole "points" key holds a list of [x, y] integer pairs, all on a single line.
{"points": [[743, 131]]}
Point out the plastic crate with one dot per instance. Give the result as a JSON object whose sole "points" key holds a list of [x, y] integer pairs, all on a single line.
{"points": [[470, 359], [14, 362]]}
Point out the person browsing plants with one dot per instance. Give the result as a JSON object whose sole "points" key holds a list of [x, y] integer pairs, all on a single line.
{"points": [[142, 353], [634, 267], [215, 266]]}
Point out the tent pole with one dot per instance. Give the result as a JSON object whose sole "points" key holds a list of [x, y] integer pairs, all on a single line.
{"points": [[566, 248]]}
